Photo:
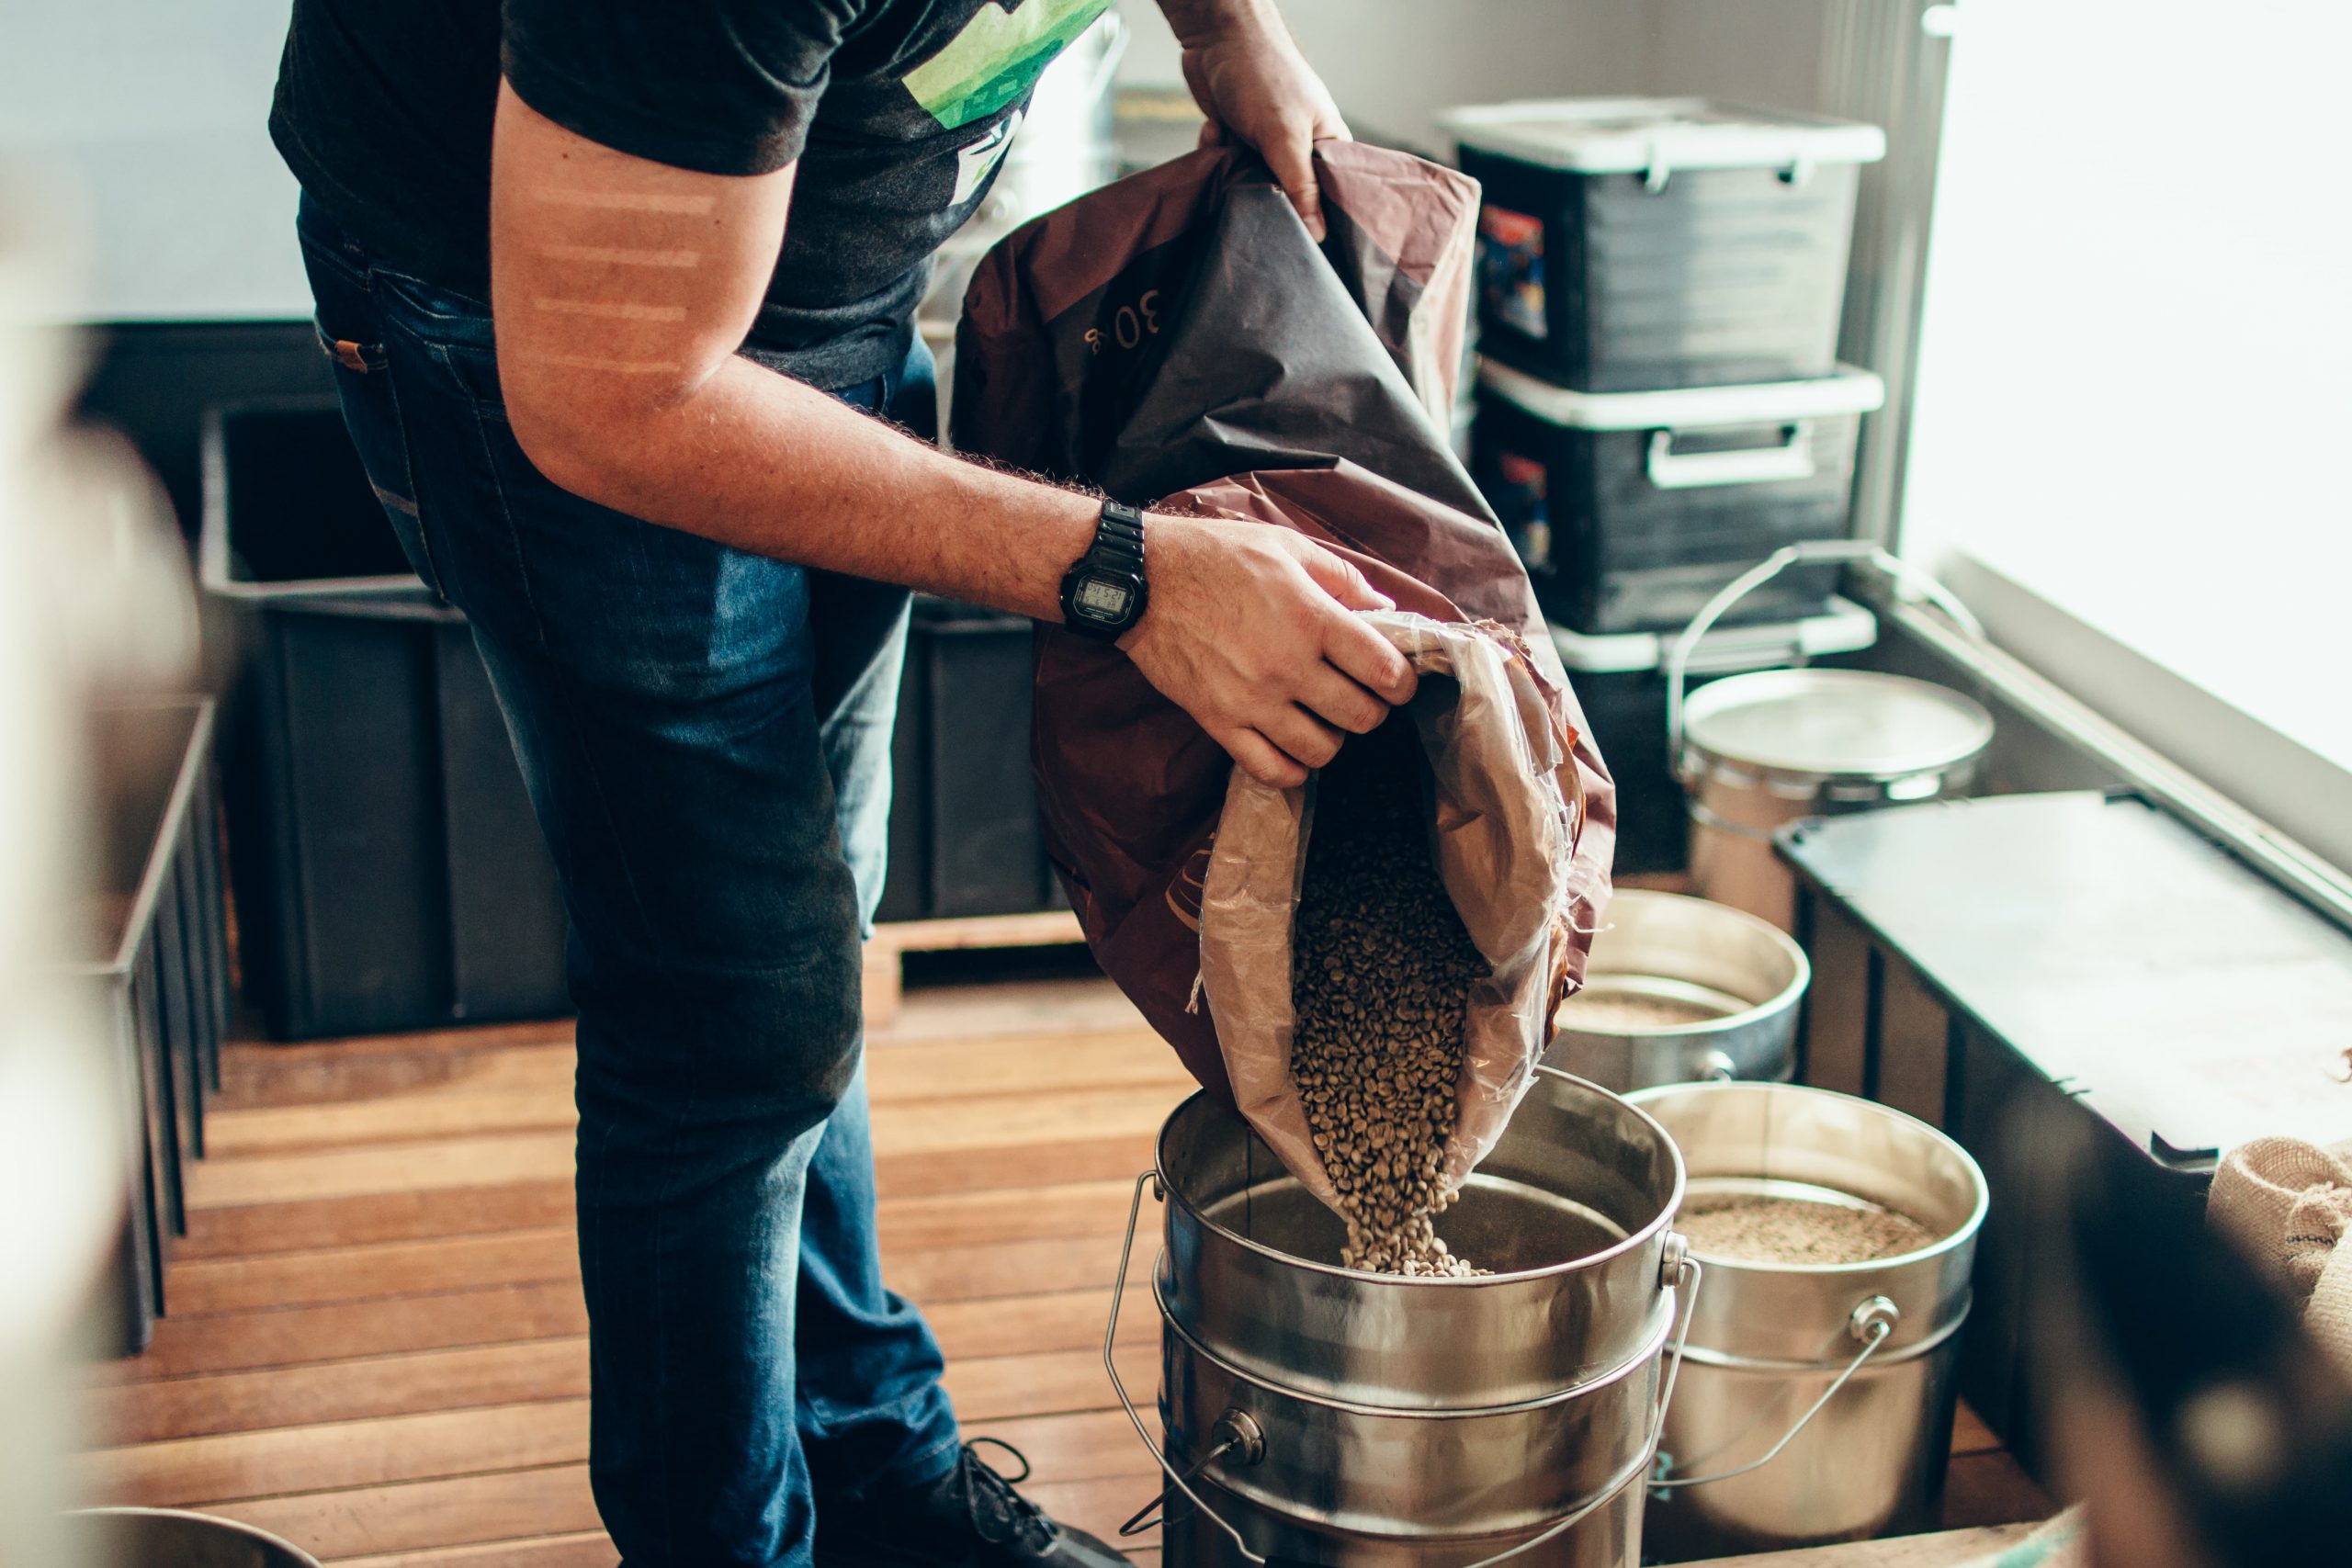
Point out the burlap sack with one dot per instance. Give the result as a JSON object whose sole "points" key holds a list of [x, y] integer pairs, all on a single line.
{"points": [[2289, 1204]]}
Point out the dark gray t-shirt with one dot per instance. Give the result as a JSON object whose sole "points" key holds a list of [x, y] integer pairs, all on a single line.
{"points": [[899, 112]]}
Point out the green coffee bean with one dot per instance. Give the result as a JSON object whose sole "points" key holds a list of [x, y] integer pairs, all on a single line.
{"points": [[1381, 969]]}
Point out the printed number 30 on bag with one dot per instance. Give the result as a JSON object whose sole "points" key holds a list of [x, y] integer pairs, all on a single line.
{"points": [[1130, 324]]}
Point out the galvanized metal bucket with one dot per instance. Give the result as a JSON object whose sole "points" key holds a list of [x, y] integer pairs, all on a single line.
{"points": [[1758, 750], [1678, 990], [1318, 1414], [1815, 1400]]}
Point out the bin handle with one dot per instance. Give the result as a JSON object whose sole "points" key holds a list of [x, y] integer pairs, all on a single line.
{"points": [[1872, 1322], [1791, 459], [1901, 572], [1679, 1271]]}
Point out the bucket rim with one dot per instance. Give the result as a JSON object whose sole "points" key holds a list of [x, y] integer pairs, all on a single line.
{"points": [[1651, 1348], [229, 1526], [1964, 1233], [1787, 996], [1659, 1224]]}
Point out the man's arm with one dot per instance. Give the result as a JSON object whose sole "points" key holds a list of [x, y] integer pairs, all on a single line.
{"points": [[621, 289]]}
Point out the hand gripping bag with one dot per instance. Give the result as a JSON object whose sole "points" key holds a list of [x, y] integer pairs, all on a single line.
{"points": [[1177, 341]]}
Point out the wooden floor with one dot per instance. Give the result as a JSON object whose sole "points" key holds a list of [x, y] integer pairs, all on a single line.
{"points": [[375, 1343]]}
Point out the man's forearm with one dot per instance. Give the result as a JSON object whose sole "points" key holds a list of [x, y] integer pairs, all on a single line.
{"points": [[760, 462]]}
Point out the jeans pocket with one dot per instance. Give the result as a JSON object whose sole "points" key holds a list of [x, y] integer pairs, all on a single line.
{"points": [[371, 414], [350, 327], [455, 333]]}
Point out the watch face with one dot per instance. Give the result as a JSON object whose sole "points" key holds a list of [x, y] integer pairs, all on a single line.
{"points": [[1103, 598]]}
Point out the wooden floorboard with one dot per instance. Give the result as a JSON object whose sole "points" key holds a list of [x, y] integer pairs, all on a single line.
{"points": [[376, 1346], [265, 1076], [249, 1230], [202, 1288], [1067, 1320], [1010, 1213], [584, 1549], [329, 1456], [412, 1516], [528, 1088], [335, 1331], [341, 1390], [930, 1173]]}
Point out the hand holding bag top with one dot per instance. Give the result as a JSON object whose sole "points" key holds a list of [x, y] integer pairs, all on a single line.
{"points": [[1179, 341]]}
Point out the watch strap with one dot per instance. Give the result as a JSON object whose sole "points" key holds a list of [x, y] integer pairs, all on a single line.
{"points": [[1116, 552], [1118, 538]]}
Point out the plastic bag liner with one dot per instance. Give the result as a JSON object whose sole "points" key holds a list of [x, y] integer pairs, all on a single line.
{"points": [[1504, 838], [1177, 341]]}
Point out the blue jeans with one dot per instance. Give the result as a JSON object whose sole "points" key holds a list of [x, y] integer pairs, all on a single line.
{"points": [[705, 737]]}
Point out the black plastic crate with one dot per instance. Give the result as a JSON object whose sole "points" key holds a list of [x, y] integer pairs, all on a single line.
{"points": [[965, 834], [158, 924], [1631, 245], [2030, 972], [1620, 683], [389, 871], [1632, 508]]}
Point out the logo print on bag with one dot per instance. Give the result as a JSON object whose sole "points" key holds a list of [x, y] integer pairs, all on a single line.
{"points": [[1130, 324]]}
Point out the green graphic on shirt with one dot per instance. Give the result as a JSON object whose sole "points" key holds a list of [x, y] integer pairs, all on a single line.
{"points": [[997, 57]]}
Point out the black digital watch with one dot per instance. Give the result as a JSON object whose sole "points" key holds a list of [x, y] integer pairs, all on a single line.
{"points": [[1102, 593]]}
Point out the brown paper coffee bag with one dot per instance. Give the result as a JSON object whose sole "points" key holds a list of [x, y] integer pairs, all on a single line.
{"points": [[1177, 341]]}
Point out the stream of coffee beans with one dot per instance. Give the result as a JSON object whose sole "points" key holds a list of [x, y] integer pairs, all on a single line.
{"points": [[1381, 969]]}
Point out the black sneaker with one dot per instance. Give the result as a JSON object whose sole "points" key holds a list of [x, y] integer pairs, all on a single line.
{"points": [[971, 1518]]}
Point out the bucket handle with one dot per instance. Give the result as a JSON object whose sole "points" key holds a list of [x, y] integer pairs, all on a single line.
{"points": [[1872, 1322], [1110, 1364], [1678, 1271], [1901, 572]]}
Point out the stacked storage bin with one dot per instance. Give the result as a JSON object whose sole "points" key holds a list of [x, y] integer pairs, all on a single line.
{"points": [[387, 870], [966, 839], [1659, 401]]}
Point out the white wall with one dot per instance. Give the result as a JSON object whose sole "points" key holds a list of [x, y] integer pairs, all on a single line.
{"points": [[156, 108], [1763, 52], [1393, 64], [153, 112]]}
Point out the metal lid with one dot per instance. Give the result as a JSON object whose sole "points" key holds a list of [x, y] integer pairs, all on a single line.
{"points": [[1851, 722], [1655, 136]]}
